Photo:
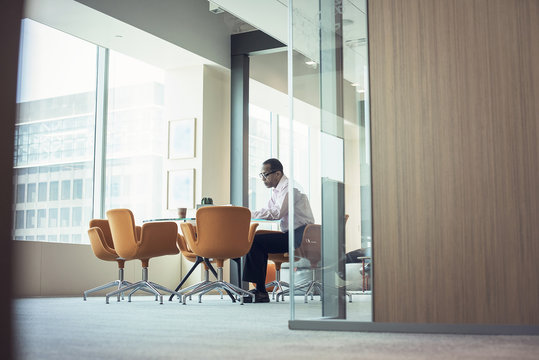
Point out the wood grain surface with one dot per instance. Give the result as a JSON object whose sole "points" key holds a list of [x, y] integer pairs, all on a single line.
{"points": [[455, 160]]}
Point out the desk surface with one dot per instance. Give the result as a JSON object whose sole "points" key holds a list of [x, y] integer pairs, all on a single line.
{"points": [[194, 219]]}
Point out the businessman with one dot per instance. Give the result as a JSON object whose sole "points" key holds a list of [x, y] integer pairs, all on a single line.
{"points": [[277, 241]]}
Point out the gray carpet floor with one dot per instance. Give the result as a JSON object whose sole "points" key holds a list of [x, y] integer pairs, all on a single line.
{"points": [[70, 328]]}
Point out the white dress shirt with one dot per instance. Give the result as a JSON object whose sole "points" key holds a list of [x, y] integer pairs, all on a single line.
{"points": [[277, 208]]}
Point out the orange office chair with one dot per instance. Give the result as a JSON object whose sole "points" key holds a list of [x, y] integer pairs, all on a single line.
{"points": [[222, 232], [192, 257], [310, 249], [131, 242], [103, 247]]}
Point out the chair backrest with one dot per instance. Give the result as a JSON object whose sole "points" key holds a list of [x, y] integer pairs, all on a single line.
{"points": [[223, 232], [124, 234], [311, 246]]}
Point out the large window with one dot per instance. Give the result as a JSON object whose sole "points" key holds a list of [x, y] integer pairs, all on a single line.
{"points": [[54, 134], [260, 149], [136, 137], [269, 134], [55, 142]]}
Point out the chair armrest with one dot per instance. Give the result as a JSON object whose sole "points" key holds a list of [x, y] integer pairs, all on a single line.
{"points": [[100, 246], [252, 231], [189, 233]]}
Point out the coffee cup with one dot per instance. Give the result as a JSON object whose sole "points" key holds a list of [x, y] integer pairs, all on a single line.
{"points": [[182, 213]]}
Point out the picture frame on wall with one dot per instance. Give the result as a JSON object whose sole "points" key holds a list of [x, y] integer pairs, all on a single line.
{"points": [[181, 138], [181, 189]]}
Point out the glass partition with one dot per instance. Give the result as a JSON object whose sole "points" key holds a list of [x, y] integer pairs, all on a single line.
{"points": [[328, 62]]}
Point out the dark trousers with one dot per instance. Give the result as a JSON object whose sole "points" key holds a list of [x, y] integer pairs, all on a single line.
{"points": [[256, 260]]}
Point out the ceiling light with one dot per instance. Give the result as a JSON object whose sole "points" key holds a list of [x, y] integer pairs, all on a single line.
{"points": [[214, 8], [312, 64], [352, 43]]}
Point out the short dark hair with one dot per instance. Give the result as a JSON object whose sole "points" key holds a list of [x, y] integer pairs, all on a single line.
{"points": [[275, 164]]}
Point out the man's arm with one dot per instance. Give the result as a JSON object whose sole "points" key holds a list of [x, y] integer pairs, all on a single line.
{"points": [[277, 208]]}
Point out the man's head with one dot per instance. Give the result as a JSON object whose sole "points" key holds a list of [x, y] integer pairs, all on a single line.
{"points": [[272, 172]]}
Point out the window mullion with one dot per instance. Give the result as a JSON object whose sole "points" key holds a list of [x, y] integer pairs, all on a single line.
{"points": [[100, 132]]}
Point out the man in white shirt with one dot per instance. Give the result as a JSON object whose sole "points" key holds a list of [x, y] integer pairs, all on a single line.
{"points": [[275, 242]]}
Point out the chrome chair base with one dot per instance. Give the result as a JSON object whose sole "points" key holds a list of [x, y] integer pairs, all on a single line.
{"points": [[143, 285], [119, 284], [277, 285], [202, 289], [116, 283], [219, 284], [307, 288]]}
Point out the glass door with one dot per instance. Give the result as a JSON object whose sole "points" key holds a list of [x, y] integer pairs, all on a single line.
{"points": [[328, 62]]}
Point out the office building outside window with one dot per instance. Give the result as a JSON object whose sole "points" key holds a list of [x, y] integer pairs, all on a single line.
{"points": [[136, 137], [54, 134]]}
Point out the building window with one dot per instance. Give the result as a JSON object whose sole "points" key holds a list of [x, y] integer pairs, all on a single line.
{"points": [[136, 127], [76, 218], [30, 219], [53, 218], [77, 189], [41, 218], [66, 189], [53, 191], [31, 193], [21, 192], [55, 135], [260, 149], [19, 219], [269, 138], [54, 131], [42, 191], [64, 217]]}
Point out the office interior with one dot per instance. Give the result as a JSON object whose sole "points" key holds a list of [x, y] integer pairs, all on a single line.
{"points": [[450, 148]]}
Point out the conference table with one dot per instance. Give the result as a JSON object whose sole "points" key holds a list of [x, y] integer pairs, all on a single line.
{"points": [[235, 271]]}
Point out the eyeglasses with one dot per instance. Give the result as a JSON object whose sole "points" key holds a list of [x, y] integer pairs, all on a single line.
{"points": [[264, 176]]}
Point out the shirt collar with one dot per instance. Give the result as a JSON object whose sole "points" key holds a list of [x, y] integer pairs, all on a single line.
{"points": [[282, 183]]}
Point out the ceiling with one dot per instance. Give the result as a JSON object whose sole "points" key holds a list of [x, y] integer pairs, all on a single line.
{"points": [[162, 33]]}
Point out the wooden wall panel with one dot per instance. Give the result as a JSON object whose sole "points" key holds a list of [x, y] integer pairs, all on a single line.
{"points": [[455, 160]]}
